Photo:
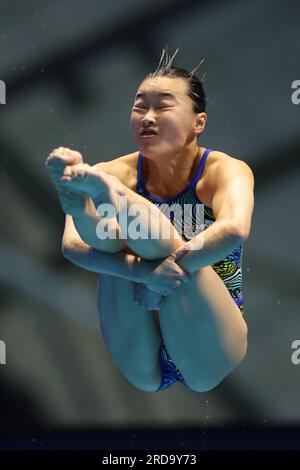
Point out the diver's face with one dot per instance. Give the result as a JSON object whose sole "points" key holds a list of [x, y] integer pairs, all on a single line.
{"points": [[161, 104]]}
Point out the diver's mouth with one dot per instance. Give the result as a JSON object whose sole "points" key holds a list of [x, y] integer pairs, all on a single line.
{"points": [[147, 132], [148, 136]]}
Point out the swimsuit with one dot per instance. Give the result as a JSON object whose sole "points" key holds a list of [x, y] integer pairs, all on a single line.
{"points": [[229, 269]]}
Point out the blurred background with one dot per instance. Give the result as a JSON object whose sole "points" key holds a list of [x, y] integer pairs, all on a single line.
{"points": [[71, 70]]}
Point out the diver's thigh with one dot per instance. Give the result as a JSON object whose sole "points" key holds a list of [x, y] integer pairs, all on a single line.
{"points": [[197, 320], [131, 334]]}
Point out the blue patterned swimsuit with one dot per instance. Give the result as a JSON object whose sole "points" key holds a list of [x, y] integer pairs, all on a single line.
{"points": [[229, 269]]}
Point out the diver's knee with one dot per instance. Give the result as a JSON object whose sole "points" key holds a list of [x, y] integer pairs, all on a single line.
{"points": [[145, 382], [201, 383]]}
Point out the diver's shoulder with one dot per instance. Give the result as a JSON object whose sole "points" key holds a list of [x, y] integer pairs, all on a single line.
{"points": [[124, 167], [127, 160], [219, 159]]}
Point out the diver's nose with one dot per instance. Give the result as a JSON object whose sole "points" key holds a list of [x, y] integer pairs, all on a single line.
{"points": [[148, 119]]}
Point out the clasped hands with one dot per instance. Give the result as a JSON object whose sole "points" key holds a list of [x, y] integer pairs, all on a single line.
{"points": [[162, 280]]}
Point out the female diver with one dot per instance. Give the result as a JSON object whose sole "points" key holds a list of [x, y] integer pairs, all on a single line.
{"points": [[171, 307]]}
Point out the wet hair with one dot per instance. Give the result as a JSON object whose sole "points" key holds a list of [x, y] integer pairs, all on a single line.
{"points": [[195, 87]]}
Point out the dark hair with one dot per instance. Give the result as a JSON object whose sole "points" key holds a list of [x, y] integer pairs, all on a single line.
{"points": [[195, 87]]}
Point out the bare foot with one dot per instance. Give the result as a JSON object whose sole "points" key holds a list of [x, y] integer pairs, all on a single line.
{"points": [[57, 161], [95, 183], [148, 299], [72, 202]]}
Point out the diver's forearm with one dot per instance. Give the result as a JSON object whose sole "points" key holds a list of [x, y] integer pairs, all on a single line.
{"points": [[209, 246], [122, 265]]}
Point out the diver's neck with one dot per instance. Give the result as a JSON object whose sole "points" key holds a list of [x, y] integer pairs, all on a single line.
{"points": [[172, 171]]}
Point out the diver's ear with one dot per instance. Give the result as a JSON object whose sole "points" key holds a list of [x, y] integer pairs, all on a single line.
{"points": [[201, 119]]}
